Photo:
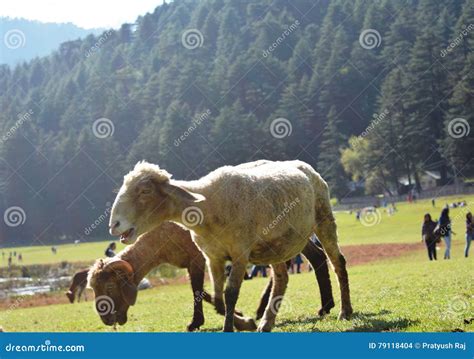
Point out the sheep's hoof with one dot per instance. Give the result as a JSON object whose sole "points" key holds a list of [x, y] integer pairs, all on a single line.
{"points": [[245, 324], [265, 326], [345, 314], [195, 325], [322, 312]]}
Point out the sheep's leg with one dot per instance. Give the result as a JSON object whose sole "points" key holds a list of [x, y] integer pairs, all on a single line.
{"points": [[326, 230], [232, 291], [264, 298], [196, 273], [318, 260], [216, 269], [79, 293], [280, 281]]}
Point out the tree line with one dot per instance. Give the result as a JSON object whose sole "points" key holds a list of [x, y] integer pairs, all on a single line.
{"points": [[364, 91]]}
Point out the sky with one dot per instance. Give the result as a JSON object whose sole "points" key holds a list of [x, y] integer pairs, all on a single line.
{"points": [[83, 13]]}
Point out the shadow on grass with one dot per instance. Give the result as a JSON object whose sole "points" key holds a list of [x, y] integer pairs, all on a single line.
{"points": [[372, 322], [360, 322]]}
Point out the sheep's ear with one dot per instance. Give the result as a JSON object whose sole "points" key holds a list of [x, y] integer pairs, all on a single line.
{"points": [[182, 194], [129, 293]]}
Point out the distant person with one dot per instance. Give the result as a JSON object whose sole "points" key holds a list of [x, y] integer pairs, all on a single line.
{"points": [[228, 269], [54, 250], [20, 257], [296, 261], [256, 269], [433, 202], [110, 251], [358, 215], [469, 233], [9, 262], [428, 236], [445, 231]]}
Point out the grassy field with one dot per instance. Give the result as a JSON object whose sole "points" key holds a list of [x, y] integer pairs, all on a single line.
{"points": [[403, 227], [406, 293]]}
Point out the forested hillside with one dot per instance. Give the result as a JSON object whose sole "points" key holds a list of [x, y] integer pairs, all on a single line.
{"points": [[386, 85], [25, 39]]}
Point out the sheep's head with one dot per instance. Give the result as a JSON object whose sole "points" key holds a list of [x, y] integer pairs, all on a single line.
{"points": [[146, 199], [114, 289]]}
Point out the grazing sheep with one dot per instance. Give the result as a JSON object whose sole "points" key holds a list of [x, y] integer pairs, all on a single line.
{"points": [[262, 212], [115, 280], [78, 284]]}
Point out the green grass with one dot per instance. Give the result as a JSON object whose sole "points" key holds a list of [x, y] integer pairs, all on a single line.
{"points": [[403, 227], [82, 252], [404, 294]]}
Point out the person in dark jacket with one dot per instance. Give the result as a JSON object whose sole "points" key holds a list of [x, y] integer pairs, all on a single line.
{"points": [[469, 233], [110, 251], [428, 236], [444, 225]]}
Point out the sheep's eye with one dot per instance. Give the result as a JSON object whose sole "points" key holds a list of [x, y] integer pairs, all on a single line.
{"points": [[145, 191]]}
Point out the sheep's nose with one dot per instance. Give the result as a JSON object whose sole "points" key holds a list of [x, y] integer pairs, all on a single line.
{"points": [[113, 226]]}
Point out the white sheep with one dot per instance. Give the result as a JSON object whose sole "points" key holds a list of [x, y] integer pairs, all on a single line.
{"points": [[262, 212]]}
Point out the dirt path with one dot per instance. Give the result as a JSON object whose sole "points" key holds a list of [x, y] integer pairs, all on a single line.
{"points": [[366, 253]]}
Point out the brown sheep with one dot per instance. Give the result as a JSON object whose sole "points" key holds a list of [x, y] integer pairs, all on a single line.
{"points": [[115, 280], [261, 212], [78, 284]]}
